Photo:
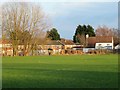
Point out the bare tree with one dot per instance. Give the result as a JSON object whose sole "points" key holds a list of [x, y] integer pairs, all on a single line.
{"points": [[105, 31], [23, 23], [116, 36], [82, 39]]}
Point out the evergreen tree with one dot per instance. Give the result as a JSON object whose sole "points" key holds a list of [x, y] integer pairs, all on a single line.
{"points": [[53, 34], [83, 31]]}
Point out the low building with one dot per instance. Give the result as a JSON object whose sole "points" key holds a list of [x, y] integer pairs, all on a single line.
{"points": [[57, 46], [101, 42], [6, 48], [68, 44]]}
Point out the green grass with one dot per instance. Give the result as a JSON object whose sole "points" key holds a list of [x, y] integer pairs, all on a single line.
{"points": [[75, 71]]}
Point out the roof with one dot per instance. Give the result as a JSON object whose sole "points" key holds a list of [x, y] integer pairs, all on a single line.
{"points": [[98, 39], [67, 42], [91, 40], [103, 39], [5, 41], [60, 42], [53, 42]]}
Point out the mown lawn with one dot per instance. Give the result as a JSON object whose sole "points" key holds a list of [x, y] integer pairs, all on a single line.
{"points": [[75, 71]]}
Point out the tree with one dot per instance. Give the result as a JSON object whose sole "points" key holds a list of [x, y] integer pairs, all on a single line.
{"points": [[106, 31], [90, 31], [103, 31], [53, 34], [81, 32], [22, 23]]}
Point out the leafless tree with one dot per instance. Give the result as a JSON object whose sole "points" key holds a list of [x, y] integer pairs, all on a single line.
{"points": [[103, 31], [106, 31], [23, 23], [116, 36], [82, 39]]}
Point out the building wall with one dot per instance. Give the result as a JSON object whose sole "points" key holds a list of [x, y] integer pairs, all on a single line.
{"points": [[86, 50], [69, 46], [104, 46], [6, 49]]}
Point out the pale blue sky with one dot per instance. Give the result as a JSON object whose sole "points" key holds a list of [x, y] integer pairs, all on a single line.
{"points": [[66, 15]]}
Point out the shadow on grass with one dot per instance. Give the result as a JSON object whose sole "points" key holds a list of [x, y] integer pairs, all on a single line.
{"points": [[43, 78]]}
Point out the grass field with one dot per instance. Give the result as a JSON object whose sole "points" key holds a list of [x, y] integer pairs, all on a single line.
{"points": [[78, 71]]}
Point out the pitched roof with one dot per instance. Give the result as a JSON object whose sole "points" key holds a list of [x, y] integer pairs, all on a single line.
{"points": [[91, 41], [53, 42], [103, 39], [98, 39], [67, 42], [5, 41]]}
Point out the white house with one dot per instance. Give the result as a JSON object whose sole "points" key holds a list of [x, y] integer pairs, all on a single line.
{"points": [[104, 42], [101, 42]]}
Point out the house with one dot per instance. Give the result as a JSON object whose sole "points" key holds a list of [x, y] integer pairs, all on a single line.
{"points": [[68, 44], [104, 42], [6, 48], [57, 46], [100, 42]]}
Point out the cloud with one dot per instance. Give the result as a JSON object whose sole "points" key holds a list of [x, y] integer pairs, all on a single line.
{"points": [[66, 16], [56, 9]]}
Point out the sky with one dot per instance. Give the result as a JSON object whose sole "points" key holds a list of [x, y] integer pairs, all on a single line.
{"points": [[66, 15]]}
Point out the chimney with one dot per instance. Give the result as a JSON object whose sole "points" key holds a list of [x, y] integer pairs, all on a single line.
{"points": [[87, 36]]}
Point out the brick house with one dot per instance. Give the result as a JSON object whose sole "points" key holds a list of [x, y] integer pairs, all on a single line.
{"points": [[6, 48]]}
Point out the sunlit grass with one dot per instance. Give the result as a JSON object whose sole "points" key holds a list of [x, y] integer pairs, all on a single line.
{"points": [[61, 71]]}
